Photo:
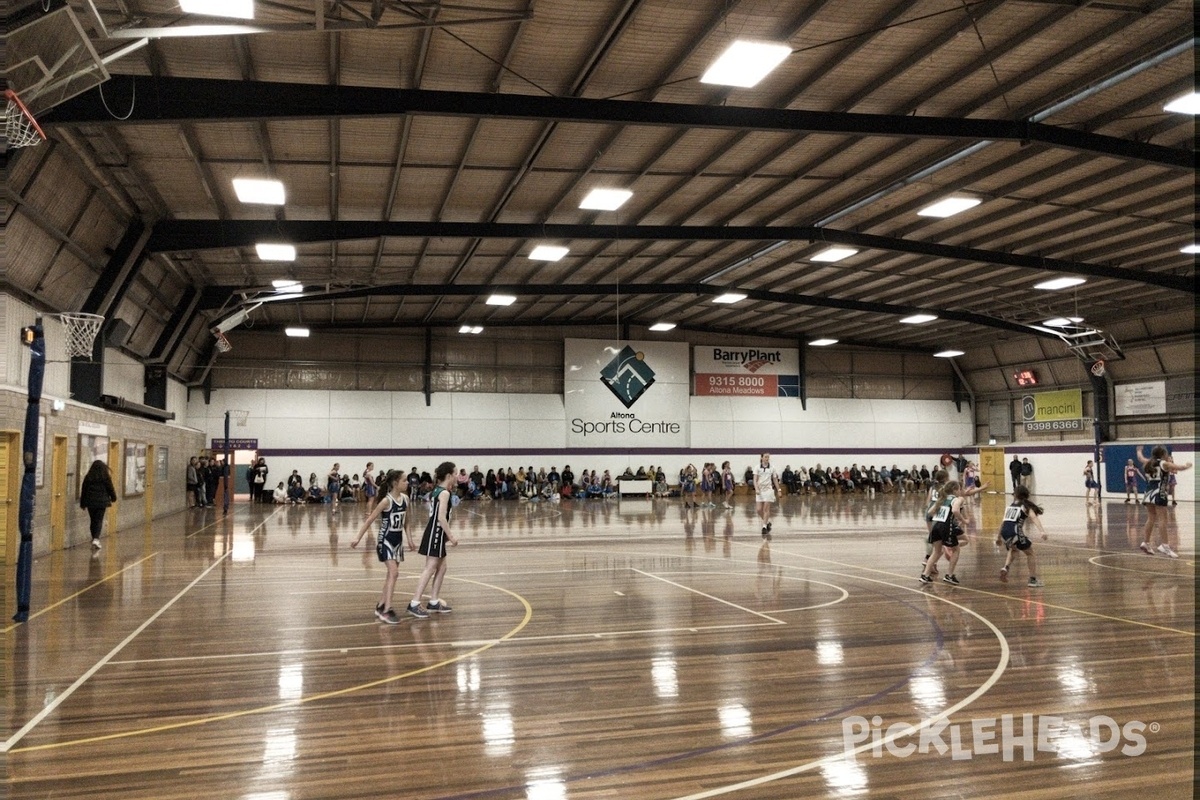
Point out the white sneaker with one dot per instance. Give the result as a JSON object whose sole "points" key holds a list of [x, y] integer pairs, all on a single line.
{"points": [[1167, 551], [1145, 548], [95, 544]]}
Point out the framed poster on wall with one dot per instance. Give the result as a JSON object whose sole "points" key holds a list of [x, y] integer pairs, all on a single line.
{"points": [[91, 448], [135, 468], [160, 465]]}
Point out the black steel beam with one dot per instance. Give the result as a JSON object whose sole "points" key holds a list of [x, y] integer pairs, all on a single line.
{"points": [[166, 99], [118, 274], [191, 235]]}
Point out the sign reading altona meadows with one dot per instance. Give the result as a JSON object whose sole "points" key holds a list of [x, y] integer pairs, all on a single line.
{"points": [[625, 394], [747, 371]]}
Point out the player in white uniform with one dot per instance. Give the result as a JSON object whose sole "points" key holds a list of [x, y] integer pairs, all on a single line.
{"points": [[391, 511], [766, 485]]}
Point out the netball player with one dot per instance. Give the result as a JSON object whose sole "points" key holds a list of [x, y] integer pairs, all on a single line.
{"points": [[1012, 533], [433, 545], [1132, 473], [948, 521], [766, 485], [727, 483], [391, 511], [1089, 483], [1158, 469]]}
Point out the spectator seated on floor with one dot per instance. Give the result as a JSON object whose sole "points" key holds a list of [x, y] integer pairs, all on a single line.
{"points": [[280, 495]]}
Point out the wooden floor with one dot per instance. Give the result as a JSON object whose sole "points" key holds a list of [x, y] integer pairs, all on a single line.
{"points": [[606, 649]]}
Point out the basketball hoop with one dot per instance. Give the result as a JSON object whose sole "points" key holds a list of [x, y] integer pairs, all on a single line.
{"points": [[223, 345], [80, 332], [1098, 368], [240, 417], [20, 128]]}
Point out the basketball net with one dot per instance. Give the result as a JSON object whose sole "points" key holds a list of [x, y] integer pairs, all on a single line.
{"points": [[79, 332], [20, 128]]}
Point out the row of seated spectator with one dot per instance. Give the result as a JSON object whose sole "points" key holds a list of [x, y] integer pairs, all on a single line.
{"points": [[855, 479]]}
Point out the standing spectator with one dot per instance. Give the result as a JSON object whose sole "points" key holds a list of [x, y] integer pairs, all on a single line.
{"points": [[1014, 469], [212, 479], [1026, 473], [333, 483], [414, 484], [195, 484], [369, 487], [96, 495], [259, 488]]}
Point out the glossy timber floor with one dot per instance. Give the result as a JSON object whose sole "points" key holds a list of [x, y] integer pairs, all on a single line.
{"points": [[602, 649]]}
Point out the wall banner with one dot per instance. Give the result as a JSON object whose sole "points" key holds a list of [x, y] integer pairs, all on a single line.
{"points": [[746, 371], [625, 394], [1136, 399], [1053, 411]]}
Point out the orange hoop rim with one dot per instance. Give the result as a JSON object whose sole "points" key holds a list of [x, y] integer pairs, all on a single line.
{"points": [[13, 97]]}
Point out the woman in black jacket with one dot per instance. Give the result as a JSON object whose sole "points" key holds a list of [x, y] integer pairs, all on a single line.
{"points": [[96, 495]]}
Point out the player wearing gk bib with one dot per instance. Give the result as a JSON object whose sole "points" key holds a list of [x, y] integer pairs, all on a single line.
{"points": [[391, 512], [766, 484], [1012, 533], [1159, 468], [947, 527], [433, 545]]}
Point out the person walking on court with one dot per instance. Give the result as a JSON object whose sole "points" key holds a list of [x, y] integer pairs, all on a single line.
{"points": [[96, 495], [1158, 469], [1012, 534], [392, 512], [948, 523], [433, 545], [766, 485]]}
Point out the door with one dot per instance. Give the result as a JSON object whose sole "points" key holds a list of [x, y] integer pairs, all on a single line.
{"points": [[10, 453], [992, 468], [117, 467], [58, 493]]}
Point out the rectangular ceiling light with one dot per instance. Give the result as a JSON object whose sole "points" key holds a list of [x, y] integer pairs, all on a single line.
{"points": [[1190, 249], [745, 63], [471, 329], [1059, 283], [822, 342], [1188, 104], [729, 297], [275, 252], [662, 326], [605, 199], [286, 285], [919, 319], [259, 190], [1062, 322], [949, 207], [832, 254], [948, 354], [501, 300], [548, 252], [300, 333], [239, 9]]}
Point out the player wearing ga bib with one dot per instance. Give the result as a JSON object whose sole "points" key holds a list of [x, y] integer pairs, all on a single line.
{"points": [[1154, 479], [389, 543]]}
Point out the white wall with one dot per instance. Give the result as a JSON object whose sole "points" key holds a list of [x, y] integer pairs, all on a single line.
{"points": [[1058, 469]]}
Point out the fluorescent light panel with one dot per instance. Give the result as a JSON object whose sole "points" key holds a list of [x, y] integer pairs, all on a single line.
{"points": [[501, 300], [919, 319], [275, 252], [662, 326], [286, 284], [1059, 283], [949, 207], [745, 63], [822, 342], [239, 9], [832, 254], [1188, 104], [729, 297], [1190, 249], [259, 190], [1062, 322], [948, 354], [471, 329], [605, 199], [300, 333], [548, 252]]}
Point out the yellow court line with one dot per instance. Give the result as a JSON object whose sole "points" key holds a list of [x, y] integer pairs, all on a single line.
{"points": [[709, 596], [81, 591], [302, 700]]}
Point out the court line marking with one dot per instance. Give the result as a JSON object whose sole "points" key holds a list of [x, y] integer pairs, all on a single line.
{"points": [[1094, 562], [287, 703], [81, 591], [57, 701], [845, 594], [709, 596]]}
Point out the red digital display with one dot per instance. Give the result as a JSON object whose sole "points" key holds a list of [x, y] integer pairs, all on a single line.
{"points": [[1025, 377]]}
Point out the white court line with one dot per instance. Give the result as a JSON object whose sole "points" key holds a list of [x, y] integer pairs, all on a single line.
{"points": [[709, 596], [1159, 573], [52, 705]]}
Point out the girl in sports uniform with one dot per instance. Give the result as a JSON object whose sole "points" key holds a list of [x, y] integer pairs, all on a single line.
{"points": [[433, 545], [391, 511], [1089, 483], [687, 485], [1132, 473], [766, 484], [706, 484], [727, 483], [1158, 469], [947, 532], [1012, 533]]}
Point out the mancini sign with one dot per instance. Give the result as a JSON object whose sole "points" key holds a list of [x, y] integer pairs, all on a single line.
{"points": [[1053, 411]]}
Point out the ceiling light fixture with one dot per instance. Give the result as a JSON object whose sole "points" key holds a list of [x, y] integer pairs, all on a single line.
{"points": [[275, 252], [299, 333], [949, 207], [259, 190], [1062, 322], [745, 63], [822, 342], [286, 284], [948, 354], [1059, 283], [548, 252], [605, 199], [919, 319], [832, 254], [1188, 104], [662, 326], [1190, 249], [729, 297], [471, 329], [239, 9], [501, 300]]}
